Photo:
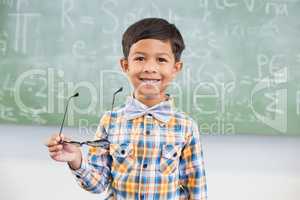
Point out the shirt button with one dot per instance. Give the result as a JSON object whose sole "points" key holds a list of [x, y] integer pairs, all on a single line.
{"points": [[147, 132], [145, 165], [123, 152], [162, 125], [149, 114]]}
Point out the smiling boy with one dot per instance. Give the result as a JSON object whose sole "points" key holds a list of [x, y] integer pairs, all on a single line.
{"points": [[155, 150]]}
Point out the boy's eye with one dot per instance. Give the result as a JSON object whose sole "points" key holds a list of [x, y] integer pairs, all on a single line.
{"points": [[162, 60], [139, 58]]}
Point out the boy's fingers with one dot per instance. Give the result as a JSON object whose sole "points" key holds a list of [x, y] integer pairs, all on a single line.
{"points": [[55, 148], [54, 154], [62, 138], [59, 138], [50, 143], [55, 140], [52, 140]]}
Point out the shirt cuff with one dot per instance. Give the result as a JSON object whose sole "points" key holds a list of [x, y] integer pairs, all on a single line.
{"points": [[83, 170]]}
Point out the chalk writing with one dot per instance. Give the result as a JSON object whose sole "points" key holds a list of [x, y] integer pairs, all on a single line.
{"points": [[22, 21], [228, 4], [7, 113], [3, 43], [270, 64], [105, 7], [33, 116], [277, 8], [273, 105], [67, 7], [278, 105]]}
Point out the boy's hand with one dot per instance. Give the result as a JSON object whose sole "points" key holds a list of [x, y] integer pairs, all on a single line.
{"points": [[64, 152]]}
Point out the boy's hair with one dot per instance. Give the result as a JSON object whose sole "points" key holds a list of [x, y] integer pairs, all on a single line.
{"points": [[153, 28]]}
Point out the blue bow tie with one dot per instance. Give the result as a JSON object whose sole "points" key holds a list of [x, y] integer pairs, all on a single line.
{"points": [[135, 109]]}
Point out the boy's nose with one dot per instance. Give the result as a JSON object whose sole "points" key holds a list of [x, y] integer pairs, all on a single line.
{"points": [[150, 67]]}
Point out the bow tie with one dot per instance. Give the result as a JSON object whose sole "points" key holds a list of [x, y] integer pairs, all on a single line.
{"points": [[135, 109]]}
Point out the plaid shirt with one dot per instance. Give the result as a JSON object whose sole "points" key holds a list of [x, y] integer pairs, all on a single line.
{"points": [[150, 157]]}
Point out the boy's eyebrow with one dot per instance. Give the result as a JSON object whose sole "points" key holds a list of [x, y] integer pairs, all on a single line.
{"points": [[143, 53]]}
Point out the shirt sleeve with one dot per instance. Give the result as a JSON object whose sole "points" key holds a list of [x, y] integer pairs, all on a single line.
{"points": [[191, 168], [94, 173]]}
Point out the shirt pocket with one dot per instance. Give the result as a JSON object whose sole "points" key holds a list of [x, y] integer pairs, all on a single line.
{"points": [[170, 155], [123, 157]]}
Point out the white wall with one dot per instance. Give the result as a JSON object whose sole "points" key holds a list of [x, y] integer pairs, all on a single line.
{"points": [[238, 167]]}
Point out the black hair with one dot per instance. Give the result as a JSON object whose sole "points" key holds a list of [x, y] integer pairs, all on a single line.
{"points": [[153, 28]]}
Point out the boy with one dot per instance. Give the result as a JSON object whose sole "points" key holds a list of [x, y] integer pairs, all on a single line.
{"points": [[154, 151]]}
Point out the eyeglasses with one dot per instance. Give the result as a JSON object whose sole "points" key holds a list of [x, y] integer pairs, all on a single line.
{"points": [[102, 142]]}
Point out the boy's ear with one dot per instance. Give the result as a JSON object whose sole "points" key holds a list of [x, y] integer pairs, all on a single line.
{"points": [[124, 65], [177, 67]]}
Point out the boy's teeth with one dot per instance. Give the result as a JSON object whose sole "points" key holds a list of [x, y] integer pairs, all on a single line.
{"points": [[150, 81]]}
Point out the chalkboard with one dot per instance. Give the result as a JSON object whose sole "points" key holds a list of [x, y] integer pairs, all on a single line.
{"points": [[241, 65]]}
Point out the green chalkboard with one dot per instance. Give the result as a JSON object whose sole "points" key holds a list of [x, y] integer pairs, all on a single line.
{"points": [[241, 65]]}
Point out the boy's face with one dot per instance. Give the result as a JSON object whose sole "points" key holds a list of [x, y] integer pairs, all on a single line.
{"points": [[150, 67]]}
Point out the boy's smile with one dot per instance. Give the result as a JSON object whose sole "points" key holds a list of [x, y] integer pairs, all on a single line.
{"points": [[150, 67]]}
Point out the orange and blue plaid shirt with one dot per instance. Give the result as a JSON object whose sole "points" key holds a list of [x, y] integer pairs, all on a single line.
{"points": [[155, 153]]}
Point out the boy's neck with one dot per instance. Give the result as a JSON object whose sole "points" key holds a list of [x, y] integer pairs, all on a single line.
{"points": [[150, 100]]}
